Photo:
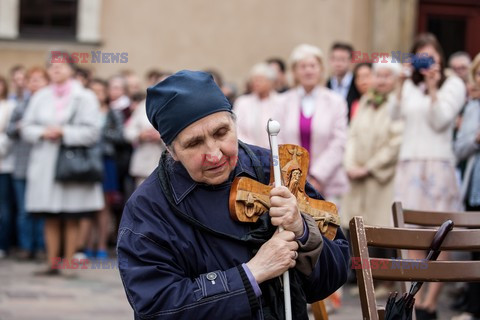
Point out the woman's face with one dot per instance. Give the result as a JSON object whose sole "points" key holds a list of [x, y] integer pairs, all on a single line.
{"points": [[363, 79], [36, 81], [430, 51], [19, 78], [308, 72], [208, 148], [116, 89], [59, 72], [384, 81], [261, 85], [100, 91]]}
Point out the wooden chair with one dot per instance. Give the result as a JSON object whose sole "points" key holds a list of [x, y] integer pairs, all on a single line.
{"points": [[403, 217], [370, 268]]}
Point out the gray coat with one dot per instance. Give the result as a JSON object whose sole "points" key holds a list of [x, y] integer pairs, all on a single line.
{"points": [[467, 149], [44, 194], [20, 148]]}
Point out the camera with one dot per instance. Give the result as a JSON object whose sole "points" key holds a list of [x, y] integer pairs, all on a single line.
{"points": [[422, 62]]}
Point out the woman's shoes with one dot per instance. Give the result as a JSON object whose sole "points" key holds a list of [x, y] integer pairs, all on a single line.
{"points": [[50, 272], [102, 255], [24, 255], [91, 254]]}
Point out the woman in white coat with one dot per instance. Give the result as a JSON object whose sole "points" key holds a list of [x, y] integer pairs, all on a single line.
{"points": [[64, 112]]}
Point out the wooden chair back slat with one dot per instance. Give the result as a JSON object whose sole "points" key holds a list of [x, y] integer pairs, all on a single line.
{"points": [[420, 239], [470, 219], [426, 271]]}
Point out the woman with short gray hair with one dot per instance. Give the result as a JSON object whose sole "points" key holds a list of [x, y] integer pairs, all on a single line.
{"points": [[253, 110]]}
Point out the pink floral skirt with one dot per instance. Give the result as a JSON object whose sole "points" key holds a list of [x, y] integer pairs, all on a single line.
{"points": [[427, 185]]}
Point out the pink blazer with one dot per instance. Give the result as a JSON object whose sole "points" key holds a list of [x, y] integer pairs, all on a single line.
{"points": [[328, 136]]}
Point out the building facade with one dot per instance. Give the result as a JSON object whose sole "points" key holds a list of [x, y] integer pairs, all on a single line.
{"points": [[229, 36]]}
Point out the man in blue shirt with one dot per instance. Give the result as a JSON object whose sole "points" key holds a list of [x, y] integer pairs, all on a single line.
{"points": [[180, 254]]}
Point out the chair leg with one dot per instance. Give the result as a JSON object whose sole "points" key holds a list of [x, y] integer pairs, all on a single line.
{"points": [[319, 310]]}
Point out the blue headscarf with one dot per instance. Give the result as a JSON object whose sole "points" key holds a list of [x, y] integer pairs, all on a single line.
{"points": [[182, 99]]}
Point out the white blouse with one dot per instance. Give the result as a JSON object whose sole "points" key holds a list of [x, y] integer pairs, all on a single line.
{"points": [[429, 126]]}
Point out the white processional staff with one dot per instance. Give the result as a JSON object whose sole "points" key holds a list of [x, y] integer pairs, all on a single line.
{"points": [[273, 128]]}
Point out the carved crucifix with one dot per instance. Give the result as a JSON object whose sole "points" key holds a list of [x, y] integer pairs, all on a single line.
{"points": [[249, 198]]}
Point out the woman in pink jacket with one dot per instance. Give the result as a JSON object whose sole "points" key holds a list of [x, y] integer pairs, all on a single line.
{"points": [[316, 118]]}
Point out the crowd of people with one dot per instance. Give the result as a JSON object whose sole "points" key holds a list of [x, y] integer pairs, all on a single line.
{"points": [[45, 107], [375, 132]]}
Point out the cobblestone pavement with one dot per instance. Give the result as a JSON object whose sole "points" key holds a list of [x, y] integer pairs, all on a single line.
{"points": [[94, 294]]}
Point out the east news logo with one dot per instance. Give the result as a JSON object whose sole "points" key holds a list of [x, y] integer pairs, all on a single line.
{"points": [[92, 57]]}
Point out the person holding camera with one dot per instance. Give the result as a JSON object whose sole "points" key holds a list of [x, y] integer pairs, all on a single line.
{"points": [[429, 102]]}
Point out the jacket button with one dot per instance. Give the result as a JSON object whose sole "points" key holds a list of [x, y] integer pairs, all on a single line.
{"points": [[211, 276]]}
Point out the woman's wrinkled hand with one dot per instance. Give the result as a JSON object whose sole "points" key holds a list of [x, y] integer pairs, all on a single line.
{"points": [[274, 257], [284, 211]]}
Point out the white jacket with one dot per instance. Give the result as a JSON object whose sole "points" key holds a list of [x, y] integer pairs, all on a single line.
{"points": [[429, 126]]}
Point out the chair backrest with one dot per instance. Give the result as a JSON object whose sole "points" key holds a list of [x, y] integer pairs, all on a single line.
{"points": [[403, 217], [466, 219], [370, 268]]}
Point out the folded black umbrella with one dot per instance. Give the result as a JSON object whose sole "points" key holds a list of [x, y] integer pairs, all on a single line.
{"points": [[402, 308]]}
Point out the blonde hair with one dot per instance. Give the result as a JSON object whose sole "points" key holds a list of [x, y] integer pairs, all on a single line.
{"points": [[473, 68], [305, 51]]}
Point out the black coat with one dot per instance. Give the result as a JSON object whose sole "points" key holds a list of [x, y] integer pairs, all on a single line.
{"points": [[165, 262], [352, 94]]}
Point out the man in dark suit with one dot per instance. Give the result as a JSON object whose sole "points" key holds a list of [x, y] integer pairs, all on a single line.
{"points": [[342, 81]]}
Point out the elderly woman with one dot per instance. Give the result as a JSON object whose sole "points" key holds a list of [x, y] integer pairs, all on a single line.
{"points": [[429, 103], [372, 151], [316, 118], [180, 254], [253, 110], [62, 113], [467, 147]]}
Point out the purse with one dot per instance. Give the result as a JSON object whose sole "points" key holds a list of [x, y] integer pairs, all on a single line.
{"points": [[79, 164]]}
